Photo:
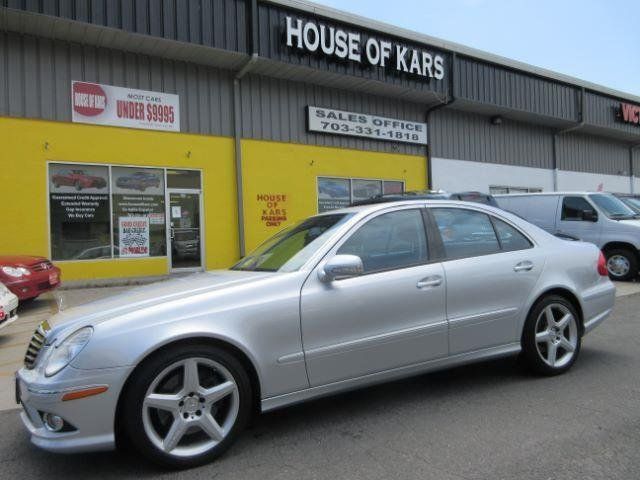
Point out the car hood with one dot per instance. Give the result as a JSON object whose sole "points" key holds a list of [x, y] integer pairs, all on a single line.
{"points": [[138, 298], [634, 223], [20, 260]]}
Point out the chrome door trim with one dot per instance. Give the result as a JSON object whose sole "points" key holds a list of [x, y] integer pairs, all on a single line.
{"points": [[482, 317], [368, 342]]}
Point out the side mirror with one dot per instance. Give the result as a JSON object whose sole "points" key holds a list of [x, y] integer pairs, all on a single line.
{"points": [[589, 216], [339, 267]]}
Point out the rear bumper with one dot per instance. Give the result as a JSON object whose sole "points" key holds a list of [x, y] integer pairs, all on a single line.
{"points": [[598, 304]]}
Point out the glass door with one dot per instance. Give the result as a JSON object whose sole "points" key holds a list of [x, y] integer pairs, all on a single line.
{"points": [[185, 234]]}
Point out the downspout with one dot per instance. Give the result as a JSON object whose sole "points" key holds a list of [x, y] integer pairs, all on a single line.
{"points": [[557, 134], [632, 182], [237, 121], [448, 101]]}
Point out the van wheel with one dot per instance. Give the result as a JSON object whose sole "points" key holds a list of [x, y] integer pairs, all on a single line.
{"points": [[622, 264], [551, 337], [183, 408]]}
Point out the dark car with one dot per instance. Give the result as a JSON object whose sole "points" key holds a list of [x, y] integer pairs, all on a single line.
{"points": [[476, 197], [138, 181], [78, 179]]}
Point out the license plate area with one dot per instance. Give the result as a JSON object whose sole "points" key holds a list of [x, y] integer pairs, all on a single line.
{"points": [[53, 278]]}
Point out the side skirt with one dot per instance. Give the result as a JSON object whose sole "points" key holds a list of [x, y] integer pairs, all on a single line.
{"points": [[280, 401]]}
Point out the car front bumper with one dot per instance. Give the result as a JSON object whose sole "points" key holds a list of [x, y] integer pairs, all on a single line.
{"points": [[35, 284], [89, 421]]}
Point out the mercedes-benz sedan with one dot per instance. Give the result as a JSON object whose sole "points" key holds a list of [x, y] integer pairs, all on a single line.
{"points": [[339, 301]]}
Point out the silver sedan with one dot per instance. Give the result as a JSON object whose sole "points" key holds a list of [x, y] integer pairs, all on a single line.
{"points": [[341, 300]]}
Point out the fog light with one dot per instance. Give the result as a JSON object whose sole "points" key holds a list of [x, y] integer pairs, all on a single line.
{"points": [[53, 423]]}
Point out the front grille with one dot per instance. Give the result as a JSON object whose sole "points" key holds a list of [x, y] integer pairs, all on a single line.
{"points": [[40, 266], [35, 345]]}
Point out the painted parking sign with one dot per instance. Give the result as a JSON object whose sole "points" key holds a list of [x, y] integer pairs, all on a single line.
{"points": [[124, 107]]}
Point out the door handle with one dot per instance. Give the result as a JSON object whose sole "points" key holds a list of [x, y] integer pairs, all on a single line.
{"points": [[523, 266], [429, 282]]}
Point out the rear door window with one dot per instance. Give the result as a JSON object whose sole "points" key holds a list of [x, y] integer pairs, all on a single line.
{"points": [[511, 239], [465, 233]]}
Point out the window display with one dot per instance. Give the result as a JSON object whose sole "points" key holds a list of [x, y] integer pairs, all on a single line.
{"points": [[334, 193]]}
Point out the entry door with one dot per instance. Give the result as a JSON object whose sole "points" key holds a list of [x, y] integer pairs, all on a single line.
{"points": [[185, 232], [391, 316]]}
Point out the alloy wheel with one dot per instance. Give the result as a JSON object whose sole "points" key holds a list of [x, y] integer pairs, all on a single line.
{"points": [[190, 407], [556, 335], [618, 265]]}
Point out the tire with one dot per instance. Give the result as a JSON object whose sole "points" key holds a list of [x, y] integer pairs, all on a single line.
{"points": [[164, 376], [557, 351], [622, 264]]}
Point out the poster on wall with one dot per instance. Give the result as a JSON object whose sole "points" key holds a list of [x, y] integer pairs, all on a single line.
{"points": [[139, 192], [133, 234], [79, 211], [364, 189], [391, 187], [333, 193], [101, 104]]}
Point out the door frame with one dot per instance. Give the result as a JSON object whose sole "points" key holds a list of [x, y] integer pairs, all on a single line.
{"points": [[167, 204]]}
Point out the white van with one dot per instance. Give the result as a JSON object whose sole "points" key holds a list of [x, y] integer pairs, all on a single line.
{"points": [[599, 218]]}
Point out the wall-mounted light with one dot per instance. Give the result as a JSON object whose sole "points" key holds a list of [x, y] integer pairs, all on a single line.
{"points": [[496, 120]]}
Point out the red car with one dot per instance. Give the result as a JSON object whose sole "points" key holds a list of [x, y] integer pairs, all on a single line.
{"points": [[78, 179], [28, 276]]}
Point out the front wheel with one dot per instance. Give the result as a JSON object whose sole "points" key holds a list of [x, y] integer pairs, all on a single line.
{"points": [[622, 264], [185, 407], [551, 337]]}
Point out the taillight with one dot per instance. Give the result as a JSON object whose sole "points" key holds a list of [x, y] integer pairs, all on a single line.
{"points": [[602, 265]]}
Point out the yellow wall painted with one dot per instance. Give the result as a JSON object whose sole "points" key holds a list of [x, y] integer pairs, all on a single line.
{"points": [[27, 145], [273, 168]]}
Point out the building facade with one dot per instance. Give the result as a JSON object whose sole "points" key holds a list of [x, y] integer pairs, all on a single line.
{"points": [[144, 137]]}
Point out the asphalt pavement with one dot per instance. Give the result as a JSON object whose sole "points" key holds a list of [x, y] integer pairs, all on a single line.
{"points": [[485, 421]]}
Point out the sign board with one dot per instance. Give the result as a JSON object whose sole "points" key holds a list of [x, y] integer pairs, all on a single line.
{"points": [[133, 234], [99, 104], [629, 113], [344, 44], [339, 122]]}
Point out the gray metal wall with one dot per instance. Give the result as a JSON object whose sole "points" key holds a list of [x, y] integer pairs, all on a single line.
{"points": [[601, 111], [275, 109], [468, 136], [587, 153], [215, 23], [495, 85], [36, 75]]}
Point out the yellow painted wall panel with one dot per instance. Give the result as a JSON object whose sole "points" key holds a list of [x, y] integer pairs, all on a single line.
{"points": [[27, 146], [280, 179]]}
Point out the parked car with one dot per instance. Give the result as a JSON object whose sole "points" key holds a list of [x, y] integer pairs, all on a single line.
{"points": [[476, 197], [186, 243], [631, 201], [138, 181], [28, 276], [599, 218], [341, 300], [78, 179], [8, 307]]}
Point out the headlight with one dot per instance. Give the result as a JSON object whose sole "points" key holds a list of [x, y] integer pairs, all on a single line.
{"points": [[64, 353], [16, 271]]}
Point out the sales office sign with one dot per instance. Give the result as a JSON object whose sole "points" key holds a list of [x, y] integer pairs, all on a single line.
{"points": [[100, 104], [339, 122]]}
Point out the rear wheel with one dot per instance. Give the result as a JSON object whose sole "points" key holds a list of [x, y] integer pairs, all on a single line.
{"points": [[551, 338], [622, 264], [185, 407]]}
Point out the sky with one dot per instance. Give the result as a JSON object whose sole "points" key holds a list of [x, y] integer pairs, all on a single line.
{"points": [[594, 40]]}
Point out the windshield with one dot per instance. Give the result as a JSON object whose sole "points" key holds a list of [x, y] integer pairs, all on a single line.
{"points": [[633, 203], [612, 207], [288, 250]]}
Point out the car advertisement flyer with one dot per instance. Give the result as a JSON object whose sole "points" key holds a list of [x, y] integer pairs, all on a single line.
{"points": [[101, 104], [133, 234], [333, 193]]}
